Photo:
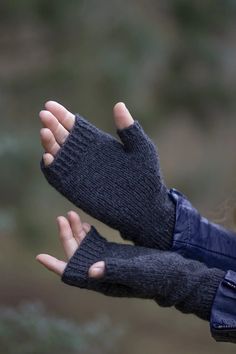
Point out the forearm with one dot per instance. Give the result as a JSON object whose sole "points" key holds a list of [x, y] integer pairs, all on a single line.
{"points": [[166, 277], [133, 271]]}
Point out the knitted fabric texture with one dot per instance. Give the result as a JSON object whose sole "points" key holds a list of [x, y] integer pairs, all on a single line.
{"points": [[120, 184], [133, 271]]}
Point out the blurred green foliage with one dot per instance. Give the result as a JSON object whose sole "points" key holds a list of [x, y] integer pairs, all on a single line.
{"points": [[165, 59], [162, 56], [29, 329], [171, 61]]}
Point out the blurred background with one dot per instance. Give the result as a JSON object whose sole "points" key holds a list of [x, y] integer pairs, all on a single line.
{"points": [[173, 63]]}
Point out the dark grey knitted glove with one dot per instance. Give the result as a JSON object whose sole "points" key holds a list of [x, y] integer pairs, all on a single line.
{"points": [[120, 184], [133, 271]]}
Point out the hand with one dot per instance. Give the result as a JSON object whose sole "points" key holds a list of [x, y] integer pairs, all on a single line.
{"points": [[131, 271], [58, 122], [71, 233], [118, 183]]}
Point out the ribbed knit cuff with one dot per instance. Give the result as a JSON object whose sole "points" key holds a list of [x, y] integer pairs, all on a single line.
{"points": [[73, 149], [201, 301], [90, 251], [209, 290], [163, 239]]}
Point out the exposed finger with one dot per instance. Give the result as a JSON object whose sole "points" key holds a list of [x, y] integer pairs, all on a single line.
{"points": [[122, 116], [50, 121], [97, 270], [76, 226], [65, 117], [48, 141], [51, 263], [47, 159], [86, 227], [67, 239]]}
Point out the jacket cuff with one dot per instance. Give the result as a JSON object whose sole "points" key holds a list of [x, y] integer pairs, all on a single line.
{"points": [[223, 314], [91, 250], [197, 238]]}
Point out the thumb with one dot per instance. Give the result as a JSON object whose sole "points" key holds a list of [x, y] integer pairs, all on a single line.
{"points": [[97, 270], [130, 131], [122, 116]]}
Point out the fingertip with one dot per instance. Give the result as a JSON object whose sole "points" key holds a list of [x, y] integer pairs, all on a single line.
{"points": [[97, 270], [62, 221], [76, 226], [73, 215], [70, 212], [49, 103], [45, 133], [42, 113], [40, 257], [47, 159], [63, 227], [59, 219], [46, 118], [42, 131], [48, 141], [122, 116], [120, 108], [51, 263], [119, 105]]}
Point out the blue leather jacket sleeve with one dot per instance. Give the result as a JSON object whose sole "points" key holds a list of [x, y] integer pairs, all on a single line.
{"points": [[197, 238], [223, 313]]}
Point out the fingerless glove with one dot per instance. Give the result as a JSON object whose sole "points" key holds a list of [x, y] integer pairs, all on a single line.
{"points": [[132, 271], [119, 183]]}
